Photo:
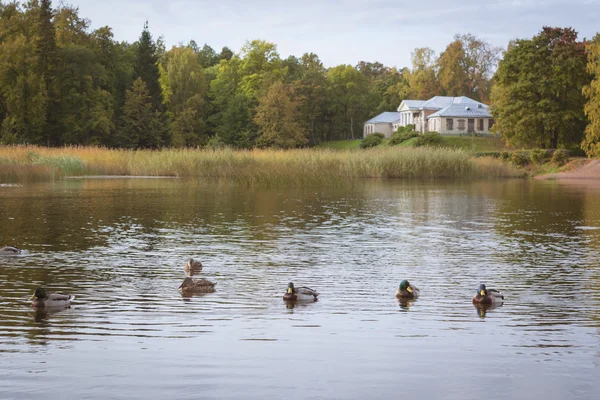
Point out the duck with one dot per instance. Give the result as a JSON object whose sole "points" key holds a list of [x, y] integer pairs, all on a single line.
{"points": [[192, 266], [9, 251], [406, 291], [487, 296], [300, 293], [191, 286], [43, 299]]}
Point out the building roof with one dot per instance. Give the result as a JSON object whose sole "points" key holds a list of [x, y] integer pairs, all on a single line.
{"points": [[440, 102], [387, 117], [465, 110], [412, 104]]}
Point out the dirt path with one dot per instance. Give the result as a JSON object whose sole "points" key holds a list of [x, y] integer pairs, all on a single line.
{"points": [[589, 170]]}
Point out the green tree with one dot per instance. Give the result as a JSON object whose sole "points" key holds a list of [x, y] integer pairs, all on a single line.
{"points": [[47, 60], [591, 142], [347, 93], [422, 79], [22, 86], [537, 99], [310, 89], [278, 119], [140, 123]]}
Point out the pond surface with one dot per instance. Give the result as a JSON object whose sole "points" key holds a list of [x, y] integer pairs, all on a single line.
{"points": [[119, 245]]}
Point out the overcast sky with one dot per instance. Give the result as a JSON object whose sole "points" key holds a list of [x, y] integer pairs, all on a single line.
{"points": [[340, 32]]}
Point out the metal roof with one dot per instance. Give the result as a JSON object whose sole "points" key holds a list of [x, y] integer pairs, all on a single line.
{"points": [[388, 117], [466, 110], [440, 102]]}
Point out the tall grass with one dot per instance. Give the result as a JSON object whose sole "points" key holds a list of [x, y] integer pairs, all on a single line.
{"points": [[248, 167]]}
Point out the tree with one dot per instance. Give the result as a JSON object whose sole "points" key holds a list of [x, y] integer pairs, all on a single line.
{"points": [[591, 142], [452, 70], [225, 54], [140, 124], [207, 56], [310, 89], [23, 88], [278, 119], [537, 99], [347, 93], [422, 80], [146, 68], [47, 60]]}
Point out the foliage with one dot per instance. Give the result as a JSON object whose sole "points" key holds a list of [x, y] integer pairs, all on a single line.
{"points": [[591, 142], [140, 124], [520, 158], [505, 156], [537, 156], [429, 139], [537, 99], [372, 140], [278, 119], [560, 157], [401, 136]]}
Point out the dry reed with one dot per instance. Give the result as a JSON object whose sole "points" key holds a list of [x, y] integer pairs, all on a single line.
{"points": [[302, 167]]}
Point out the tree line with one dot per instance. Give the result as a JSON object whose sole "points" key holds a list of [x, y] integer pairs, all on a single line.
{"points": [[62, 83]]}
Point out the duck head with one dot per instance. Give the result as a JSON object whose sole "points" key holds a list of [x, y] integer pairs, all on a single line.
{"points": [[40, 293], [290, 288], [482, 291], [186, 283], [405, 285]]}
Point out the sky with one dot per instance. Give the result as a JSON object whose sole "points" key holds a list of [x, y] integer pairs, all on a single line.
{"points": [[340, 32]]}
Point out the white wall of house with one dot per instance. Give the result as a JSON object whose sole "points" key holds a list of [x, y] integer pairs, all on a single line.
{"points": [[385, 128], [421, 122], [459, 125]]}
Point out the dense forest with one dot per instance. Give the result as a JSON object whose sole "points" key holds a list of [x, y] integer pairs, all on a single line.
{"points": [[62, 83]]}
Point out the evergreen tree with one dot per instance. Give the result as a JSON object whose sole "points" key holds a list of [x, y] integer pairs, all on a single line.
{"points": [[140, 124], [146, 68], [47, 60]]}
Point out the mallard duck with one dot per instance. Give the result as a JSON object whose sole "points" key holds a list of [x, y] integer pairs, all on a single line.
{"points": [[300, 294], [190, 286], [406, 291], [487, 296], [9, 251], [50, 300], [192, 266]]}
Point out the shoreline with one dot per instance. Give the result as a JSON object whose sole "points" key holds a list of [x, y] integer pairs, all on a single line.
{"points": [[588, 171]]}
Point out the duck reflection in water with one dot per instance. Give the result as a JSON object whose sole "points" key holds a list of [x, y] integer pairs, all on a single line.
{"points": [[482, 309], [405, 304]]}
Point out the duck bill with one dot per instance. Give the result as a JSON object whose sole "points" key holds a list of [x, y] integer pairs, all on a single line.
{"points": [[409, 289], [290, 291], [482, 292], [32, 296]]}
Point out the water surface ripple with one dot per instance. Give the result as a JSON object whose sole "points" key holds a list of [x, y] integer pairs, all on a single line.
{"points": [[120, 245]]}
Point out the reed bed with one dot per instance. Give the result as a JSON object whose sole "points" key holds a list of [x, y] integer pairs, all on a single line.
{"points": [[302, 167]]}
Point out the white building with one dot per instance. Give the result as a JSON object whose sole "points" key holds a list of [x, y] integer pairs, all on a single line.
{"points": [[383, 123], [443, 114]]}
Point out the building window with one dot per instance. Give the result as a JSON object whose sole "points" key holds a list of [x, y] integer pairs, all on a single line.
{"points": [[491, 123], [449, 124], [461, 125], [480, 125]]}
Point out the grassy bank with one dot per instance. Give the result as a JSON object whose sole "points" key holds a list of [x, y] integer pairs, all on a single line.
{"points": [[468, 143], [249, 167]]}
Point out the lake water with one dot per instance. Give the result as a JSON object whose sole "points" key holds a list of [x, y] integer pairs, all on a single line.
{"points": [[119, 245]]}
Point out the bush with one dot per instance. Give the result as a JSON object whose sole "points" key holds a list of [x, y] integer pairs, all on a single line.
{"points": [[494, 154], [429, 139], [505, 156], [520, 158], [400, 137], [372, 140], [560, 157], [537, 156]]}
